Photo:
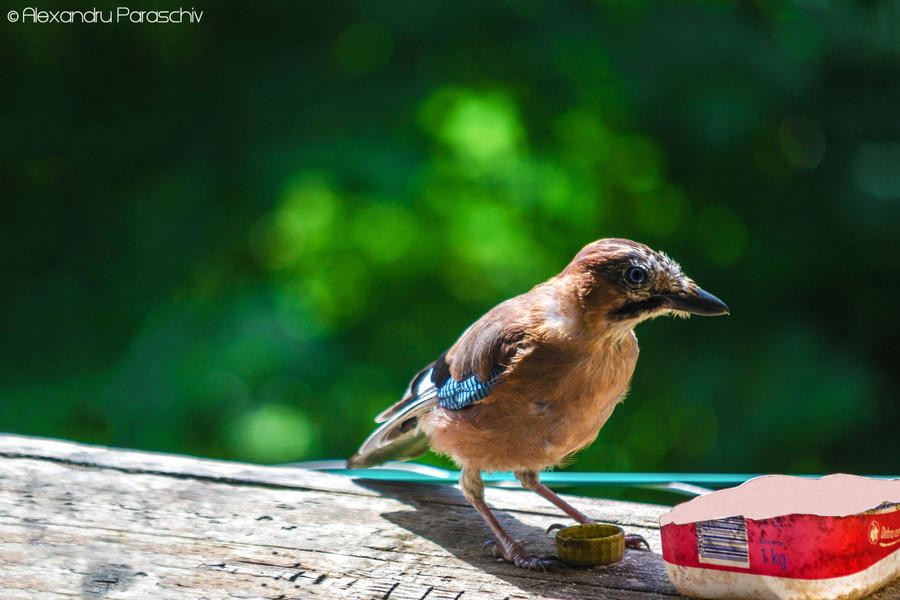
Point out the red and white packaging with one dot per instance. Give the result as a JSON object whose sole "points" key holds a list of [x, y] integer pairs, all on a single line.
{"points": [[786, 538]]}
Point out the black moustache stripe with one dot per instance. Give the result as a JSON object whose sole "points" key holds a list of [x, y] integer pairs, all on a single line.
{"points": [[633, 309]]}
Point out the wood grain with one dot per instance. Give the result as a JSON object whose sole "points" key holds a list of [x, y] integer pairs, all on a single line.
{"points": [[90, 522]]}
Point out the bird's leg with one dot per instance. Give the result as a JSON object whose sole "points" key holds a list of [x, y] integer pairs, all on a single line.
{"points": [[531, 481], [473, 488]]}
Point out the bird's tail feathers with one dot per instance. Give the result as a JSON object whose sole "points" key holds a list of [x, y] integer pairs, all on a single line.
{"points": [[398, 438], [419, 389], [404, 448]]}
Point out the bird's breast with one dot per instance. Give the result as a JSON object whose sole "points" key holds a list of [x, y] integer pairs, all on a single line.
{"points": [[552, 404], [576, 409]]}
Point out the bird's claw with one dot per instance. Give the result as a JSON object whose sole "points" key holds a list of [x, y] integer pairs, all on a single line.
{"points": [[554, 527], [543, 562], [635, 541], [517, 555]]}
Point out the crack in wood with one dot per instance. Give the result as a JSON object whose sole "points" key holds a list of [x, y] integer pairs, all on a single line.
{"points": [[390, 591], [262, 564]]}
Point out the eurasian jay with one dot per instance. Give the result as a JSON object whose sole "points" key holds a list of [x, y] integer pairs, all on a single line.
{"points": [[533, 380]]}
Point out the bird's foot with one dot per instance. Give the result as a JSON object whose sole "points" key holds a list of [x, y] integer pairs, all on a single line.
{"points": [[517, 555], [635, 541], [554, 527], [632, 540]]}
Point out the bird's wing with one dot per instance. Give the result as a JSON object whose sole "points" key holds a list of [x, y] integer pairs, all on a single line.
{"points": [[471, 368], [460, 377]]}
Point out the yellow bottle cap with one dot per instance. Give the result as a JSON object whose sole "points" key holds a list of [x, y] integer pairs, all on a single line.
{"points": [[590, 545]]}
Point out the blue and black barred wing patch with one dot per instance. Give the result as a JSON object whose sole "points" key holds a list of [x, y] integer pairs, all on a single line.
{"points": [[455, 395]]}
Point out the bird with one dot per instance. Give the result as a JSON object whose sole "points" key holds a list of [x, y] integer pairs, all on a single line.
{"points": [[531, 382]]}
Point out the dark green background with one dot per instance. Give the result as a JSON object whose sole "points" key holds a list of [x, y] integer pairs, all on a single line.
{"points": [[240, 238]]}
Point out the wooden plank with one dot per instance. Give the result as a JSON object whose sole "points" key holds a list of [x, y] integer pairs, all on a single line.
{"points": [[131, 461], [88, 522], [179, 530]]}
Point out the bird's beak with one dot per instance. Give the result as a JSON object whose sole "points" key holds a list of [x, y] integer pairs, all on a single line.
{"points": [[696, 301]]}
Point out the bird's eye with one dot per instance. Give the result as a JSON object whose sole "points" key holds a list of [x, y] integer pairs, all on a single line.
{"points": [[636, 275]]}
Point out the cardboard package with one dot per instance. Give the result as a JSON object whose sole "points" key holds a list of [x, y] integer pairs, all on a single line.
{"points": [[786, 538]]}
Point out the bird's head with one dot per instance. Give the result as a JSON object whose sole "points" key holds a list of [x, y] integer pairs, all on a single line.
{"points": [[622, 282]]}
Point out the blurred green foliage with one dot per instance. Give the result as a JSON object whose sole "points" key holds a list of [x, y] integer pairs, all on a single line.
{"points": [[242, 238]]}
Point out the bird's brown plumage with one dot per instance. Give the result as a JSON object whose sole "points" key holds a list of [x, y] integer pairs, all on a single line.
{"points": [[560, 384], [554, 361]]}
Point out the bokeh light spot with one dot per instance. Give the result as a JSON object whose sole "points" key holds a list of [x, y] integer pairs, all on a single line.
{"points": [[478, 127], [271, 433], [331, 293], [877, 169], [301, 222], [801, 38], [802, 141]]}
